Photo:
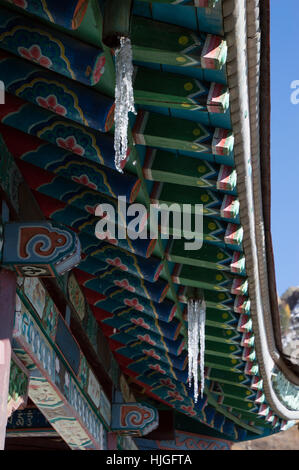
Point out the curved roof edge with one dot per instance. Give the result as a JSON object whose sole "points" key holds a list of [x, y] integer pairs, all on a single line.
{"points": [[247, 31]]}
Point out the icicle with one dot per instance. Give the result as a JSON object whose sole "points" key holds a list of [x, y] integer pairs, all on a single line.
{"points": [[202, 325], [124, 99], [196, 335]]}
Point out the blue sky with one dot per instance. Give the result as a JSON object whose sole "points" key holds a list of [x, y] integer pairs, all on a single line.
{"points": [[284, 135]]}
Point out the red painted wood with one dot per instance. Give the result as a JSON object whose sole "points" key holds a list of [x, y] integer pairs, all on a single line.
{"points": [[7, 311]]}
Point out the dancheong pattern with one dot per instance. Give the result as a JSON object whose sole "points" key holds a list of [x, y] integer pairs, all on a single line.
{"points": [[129, 297]]}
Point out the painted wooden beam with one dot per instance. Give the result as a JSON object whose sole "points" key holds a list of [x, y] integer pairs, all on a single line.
{"points": [[223, 301], [51, 48], [209, 256], [116, 299], [214, 232], [83, 222], [135, 350], [69, 15], [213, 203], [61, 375], [42, 123], [75, 195], [62, 96], [125, 319], [110, 277], [209, 279], [188, 171], [99, 251], [204, 413], [165, 89], [168, 44], [135, 333], [65, 164], [157, 130]]}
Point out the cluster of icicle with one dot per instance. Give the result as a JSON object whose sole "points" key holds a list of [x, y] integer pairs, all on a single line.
{"points": [[124, 99], [196, 335]]}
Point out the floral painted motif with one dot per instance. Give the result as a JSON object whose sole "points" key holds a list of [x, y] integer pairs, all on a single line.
{"points": [[175, 395], [35, 55], [70, 144], [189, 410], [117, 263], [140, 322], [99, 69], [109, 237], [51, 103], [125, 284], [147, 339], [83, 179], [157, 368], [19, 3], [167, 383], [91, 209], [134, 303], [151, 353]]}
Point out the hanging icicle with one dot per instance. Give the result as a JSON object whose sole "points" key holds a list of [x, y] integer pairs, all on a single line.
{"points": [[124, 99], [196, 336]]}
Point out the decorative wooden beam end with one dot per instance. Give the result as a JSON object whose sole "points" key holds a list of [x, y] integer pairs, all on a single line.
{"points": [[40, 249], [135, 419]]}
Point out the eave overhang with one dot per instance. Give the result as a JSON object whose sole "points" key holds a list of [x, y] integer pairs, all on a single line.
{"points": [[247, 30]]}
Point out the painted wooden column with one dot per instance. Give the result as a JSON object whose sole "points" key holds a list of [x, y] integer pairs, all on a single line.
{"points": [[7, 311]]}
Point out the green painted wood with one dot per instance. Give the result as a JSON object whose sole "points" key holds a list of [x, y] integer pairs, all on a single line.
{"points": [[214, 232], [227, 413], [223, 363], [222, 301], [239, 379], [157, 130], [209, 256], [230, 351], [208, 279], [233, 391], [156, 88], [187, 171], [223, 320], [239, 404], [164, 43], [213, 204], [230, 337], [258, 420]]}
